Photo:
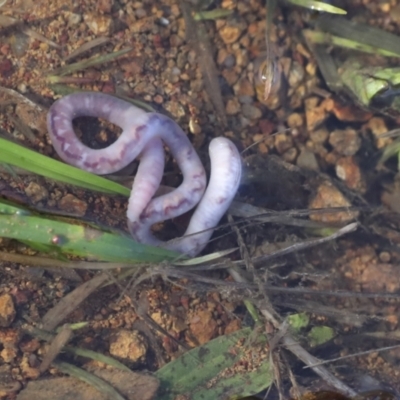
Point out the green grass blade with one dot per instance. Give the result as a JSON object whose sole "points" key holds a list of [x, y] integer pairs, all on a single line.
{"points": [[359, 33], [80, 240], [208, 371], [317, 37], [318, 6], [6, 208], [19, 156]]}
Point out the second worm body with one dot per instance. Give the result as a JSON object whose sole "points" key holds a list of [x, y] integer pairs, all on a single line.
{"points": [[143, 135]]}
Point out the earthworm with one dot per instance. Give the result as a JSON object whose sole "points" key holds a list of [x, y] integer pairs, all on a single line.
{"points": [[144, 135]]}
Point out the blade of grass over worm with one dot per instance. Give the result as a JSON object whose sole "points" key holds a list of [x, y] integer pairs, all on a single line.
{"points": [[80, 240], [19, 156]]}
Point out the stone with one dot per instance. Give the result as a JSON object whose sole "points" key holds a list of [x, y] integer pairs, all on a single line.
{"points": [[282, 142], [72, 204], [251, 112], [319, 136], [129, 345], [315, 113], [328, 196], [7, 310], [36, 192], [244, 88], [230, 33], [203, 326], [295, 120], [346, 142], [348, 171], [307, 160], [232, 106], [99, 24]]}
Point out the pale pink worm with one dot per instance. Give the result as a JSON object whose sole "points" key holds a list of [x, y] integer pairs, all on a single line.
{"points": [[142, 136]]}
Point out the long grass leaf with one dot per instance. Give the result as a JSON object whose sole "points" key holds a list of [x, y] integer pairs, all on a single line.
{"points": [[318, 6], [19, 156], [80, 240]]}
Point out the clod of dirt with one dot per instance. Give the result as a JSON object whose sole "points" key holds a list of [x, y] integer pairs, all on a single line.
{"points": [[36, 192], [328, 196], [7, 310], [348, 170], [72, 204], [316, 112], [129, 345], [203, 326], [346, 142]]}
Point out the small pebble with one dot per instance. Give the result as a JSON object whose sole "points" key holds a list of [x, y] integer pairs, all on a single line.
{"points": [[244, 88], [7, 310], [105, 6], [230, 34], [98, 24], [315, 113], [36, 192], [74, 19], [230, 75], [348, 171], [320, 135], [328, 196], [307, 160], [232, 106], [296, 74], [72, 204], [282, 142], [225, 59], [295, 120], [251, 112], [346, 142], [129, 345], [385, 256], [203, 326]]}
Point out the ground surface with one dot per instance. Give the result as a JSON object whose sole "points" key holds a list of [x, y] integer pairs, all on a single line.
{"points": [[320, 158]]}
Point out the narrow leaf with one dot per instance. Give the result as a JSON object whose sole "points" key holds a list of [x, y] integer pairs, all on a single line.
{"points": [[318, 6], [80, 240], [19, 156]]}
